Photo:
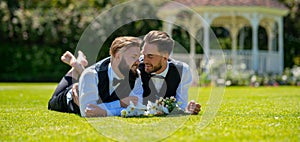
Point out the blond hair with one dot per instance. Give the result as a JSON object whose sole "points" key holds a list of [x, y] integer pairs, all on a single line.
{"points": [[124, 42]]}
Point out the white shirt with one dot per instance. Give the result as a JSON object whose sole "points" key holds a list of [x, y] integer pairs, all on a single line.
{"points": [[158, 82], [88, 91], [111, 76], [183, 87]]}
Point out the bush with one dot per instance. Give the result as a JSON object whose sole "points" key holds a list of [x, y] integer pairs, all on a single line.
{"points": [[34, 34], [249, 78]]}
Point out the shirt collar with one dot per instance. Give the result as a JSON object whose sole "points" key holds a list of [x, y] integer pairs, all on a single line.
{"points": [[111, 73]]}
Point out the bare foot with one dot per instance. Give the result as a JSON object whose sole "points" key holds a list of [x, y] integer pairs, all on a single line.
{"points": [[82, 59], [69, 59]]}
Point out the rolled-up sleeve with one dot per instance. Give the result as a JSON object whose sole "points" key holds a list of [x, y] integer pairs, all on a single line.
{"points": [[88, 89], [138, 90], [88, 94], [183, 88]]}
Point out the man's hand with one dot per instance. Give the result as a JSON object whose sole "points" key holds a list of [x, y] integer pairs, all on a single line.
{"points": [[75, 94], [193, 108], [94, 111], [126, 101]]}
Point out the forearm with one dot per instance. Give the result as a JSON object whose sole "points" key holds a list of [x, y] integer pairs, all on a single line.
{"points": [[138, 90], [183, 88], [111, 111], [88, 91]]}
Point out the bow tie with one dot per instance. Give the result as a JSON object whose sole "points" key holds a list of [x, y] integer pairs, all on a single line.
{"points": [[157, 76], [117, 81]]}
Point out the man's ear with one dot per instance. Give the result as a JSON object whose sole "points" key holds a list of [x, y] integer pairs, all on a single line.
{"points": [[166, 56], [117, 56]]}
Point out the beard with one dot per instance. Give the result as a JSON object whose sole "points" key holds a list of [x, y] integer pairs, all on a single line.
{"points": [[124, 68], [154, 68]]}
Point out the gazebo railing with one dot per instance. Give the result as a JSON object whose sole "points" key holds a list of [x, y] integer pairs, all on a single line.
{"points": [[242, 59], [268, 62]]}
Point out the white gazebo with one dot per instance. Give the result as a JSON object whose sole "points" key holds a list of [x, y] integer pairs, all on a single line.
{"points": [[232, 15]]}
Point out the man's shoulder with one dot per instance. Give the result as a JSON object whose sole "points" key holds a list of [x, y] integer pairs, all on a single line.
{"points": [[178, 63], [102, 65], [93, 69], [89, 71]]}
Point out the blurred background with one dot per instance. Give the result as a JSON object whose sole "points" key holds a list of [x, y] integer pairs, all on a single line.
{"points": [[34, 34]]}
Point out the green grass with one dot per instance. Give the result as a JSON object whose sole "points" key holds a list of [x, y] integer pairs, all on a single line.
{"points": [[246, 114]]}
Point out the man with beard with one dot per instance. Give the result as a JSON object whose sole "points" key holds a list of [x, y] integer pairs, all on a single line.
{"points": [[108, 86], [162, 76]]}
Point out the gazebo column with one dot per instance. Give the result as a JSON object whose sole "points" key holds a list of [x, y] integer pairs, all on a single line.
{"points": [[270, 32], [280, 44], [206, 39], [168, 25], [192, 46], [192, 57], [193, 25], [234, 30], [254, 24]]}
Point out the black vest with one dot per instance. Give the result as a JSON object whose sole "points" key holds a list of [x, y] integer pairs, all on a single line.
{"points": [[122, 91], [170, 84]]}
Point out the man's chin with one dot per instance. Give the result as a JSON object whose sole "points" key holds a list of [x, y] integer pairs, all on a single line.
{"points": [[148, 71], [133, 70], [134, 67]]}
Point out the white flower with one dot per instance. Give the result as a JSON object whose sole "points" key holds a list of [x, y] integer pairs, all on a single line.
{"points": [[173, 99], [140, 109], [140, 106], [151, 108], [133, 110], [159, 107], [129, 112], [149, 105], [161, 99], [284, 77], [124, 113], [130, 109], [253, 78]]}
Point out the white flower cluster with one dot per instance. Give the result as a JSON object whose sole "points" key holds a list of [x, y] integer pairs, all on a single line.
{"points": [[156, 109], [160, 107], [133, 110]]}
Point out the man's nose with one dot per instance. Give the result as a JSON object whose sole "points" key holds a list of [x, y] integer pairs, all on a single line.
{"points": [[145, 59]]}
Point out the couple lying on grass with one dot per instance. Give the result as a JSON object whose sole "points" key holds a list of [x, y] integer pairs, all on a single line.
{"points": [[124, 79]]}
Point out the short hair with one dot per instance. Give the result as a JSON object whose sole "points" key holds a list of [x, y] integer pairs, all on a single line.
{"points": [[124, 42], [161, 39]]}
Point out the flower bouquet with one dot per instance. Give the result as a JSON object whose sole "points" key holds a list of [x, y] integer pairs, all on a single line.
{"points": [[157, 108]]}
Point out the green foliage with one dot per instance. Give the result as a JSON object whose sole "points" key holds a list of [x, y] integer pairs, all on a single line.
{"points": [[204, 79], [291, 33], [246, 114], [29, 27], [34, 34], [31, 63]]}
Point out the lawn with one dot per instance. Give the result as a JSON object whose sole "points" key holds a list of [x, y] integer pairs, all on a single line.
{"points": [[245, 114]]}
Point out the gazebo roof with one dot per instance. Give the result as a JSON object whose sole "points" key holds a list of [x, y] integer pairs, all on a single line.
{"points": [[199, 3]]}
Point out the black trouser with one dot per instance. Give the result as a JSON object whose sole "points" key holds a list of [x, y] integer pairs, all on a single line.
{"points": [[58, 101]]}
